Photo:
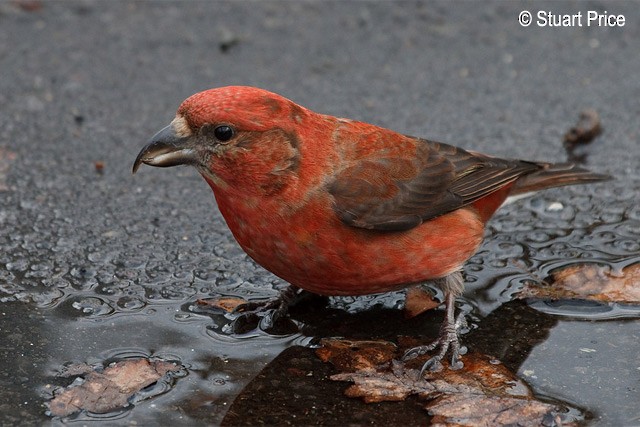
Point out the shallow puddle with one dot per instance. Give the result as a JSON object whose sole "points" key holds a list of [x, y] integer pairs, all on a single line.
{"points": [[111, 305]]}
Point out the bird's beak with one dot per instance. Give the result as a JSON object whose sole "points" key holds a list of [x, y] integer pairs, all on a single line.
{"points": [[166, 149]]}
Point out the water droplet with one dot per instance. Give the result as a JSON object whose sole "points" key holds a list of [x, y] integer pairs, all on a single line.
{"points": [[130, 303]]}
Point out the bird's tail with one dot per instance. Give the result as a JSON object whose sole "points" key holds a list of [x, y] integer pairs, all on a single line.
{"points": [[555, 175]]}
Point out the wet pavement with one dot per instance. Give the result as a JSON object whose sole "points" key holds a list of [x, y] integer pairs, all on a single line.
{"points": [[97, 265]]}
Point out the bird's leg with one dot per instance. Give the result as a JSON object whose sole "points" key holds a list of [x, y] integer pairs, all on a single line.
{"points": [[280, 305], [447, 340]]}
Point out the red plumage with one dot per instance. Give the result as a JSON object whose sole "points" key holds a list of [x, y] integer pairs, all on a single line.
{"points": [[340, 207]]}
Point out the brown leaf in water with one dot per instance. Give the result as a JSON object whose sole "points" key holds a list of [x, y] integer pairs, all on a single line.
{"points": [[102, 392], [228, 304], [384, 386], [353, 356], [470, 409], [483, 393], [418, 300], [590, 282]]}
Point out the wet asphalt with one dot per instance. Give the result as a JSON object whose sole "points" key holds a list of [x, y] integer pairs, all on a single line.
{"points": [[99, 265]]}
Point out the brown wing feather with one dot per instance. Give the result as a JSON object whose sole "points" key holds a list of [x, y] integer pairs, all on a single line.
{"points": [[399, 193]]}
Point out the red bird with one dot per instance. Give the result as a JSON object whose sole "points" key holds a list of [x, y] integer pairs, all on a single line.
{"points": [[340, 207]]}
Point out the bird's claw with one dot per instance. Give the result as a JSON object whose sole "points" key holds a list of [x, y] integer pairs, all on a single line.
{"points": [[264, 309], [256, 307], [269, 311], [447, 342]]}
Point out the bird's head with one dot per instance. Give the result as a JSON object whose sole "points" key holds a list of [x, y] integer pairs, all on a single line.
{"points": [[232, 135]]}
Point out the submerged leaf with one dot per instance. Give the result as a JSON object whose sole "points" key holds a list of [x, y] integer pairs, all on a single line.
{"points": [[102, 392], [589, 282], [483, 393], [228, 304], [352, 356]]}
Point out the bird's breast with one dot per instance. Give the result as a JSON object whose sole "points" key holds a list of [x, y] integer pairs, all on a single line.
{"points": [[311, 248]]}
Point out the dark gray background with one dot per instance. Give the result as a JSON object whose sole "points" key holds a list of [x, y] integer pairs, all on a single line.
{"points": [[102, 264]]}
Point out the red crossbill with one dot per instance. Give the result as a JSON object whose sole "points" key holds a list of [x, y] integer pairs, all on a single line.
{"points": [[340, 207]]}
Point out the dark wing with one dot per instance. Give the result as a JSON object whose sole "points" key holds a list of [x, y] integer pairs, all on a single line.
{"points": [[398, 193]]}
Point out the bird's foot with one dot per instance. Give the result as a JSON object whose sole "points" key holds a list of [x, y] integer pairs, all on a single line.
{"points": [[269, 311], [447, 341]]}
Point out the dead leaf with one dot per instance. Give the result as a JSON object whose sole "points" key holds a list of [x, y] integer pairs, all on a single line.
{"points": [[353, 356], [381, 386], [228, 304], [99, 166], [483, 393], [482, 410], [589, 282], [418, 300], [585, 131], [102, 392]]}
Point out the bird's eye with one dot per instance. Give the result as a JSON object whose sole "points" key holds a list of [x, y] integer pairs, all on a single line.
{"points": [[223, 133]]}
